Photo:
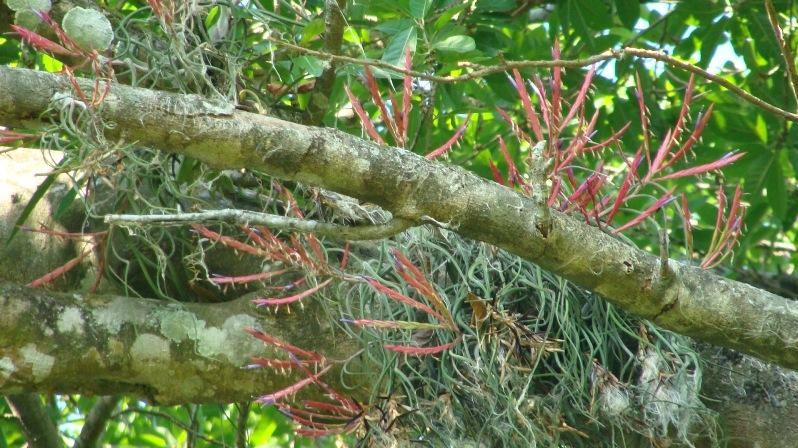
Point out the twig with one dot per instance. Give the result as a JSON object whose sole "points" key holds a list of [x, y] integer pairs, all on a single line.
{"points": [[786, 52], [244, 217], [95, 422], [567, 63], [39, 429], [661, 56], [479, 73]]}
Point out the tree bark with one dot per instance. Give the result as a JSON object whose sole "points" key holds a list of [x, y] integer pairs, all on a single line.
{"points": [[681, 298], [168, 352]]}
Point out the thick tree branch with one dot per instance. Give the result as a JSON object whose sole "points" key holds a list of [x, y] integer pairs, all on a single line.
{"points": [[691, 301], [39, 429], [166, 351]]}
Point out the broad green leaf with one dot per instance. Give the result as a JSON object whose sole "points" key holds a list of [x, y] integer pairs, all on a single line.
{"points": [[312, 65], [628, 12], [761, 128], [350, 35], [777, 190], [51, 64], [457, 44], [394, 26], [313, 29], [419, 8], [593, 12], [395, 49], [711, 40], [496, 5], [447, 16]]}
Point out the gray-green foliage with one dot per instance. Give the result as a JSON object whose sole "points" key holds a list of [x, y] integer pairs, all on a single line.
{"points": [[554, 364]]}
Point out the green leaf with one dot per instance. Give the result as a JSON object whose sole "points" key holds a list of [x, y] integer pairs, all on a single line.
{"points": [[777, 190], [394, 26], [395, 49], [447, 16], [628, 12], [457, 44], [312, 29], [310, 64], [419, 8], [212, 17], [66, 201], [592, 12], [37, 196], [496, 5]]}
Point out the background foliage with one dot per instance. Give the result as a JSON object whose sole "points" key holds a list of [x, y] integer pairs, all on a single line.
{"points": [[237, 55]]}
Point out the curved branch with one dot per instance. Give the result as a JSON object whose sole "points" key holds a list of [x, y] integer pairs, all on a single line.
{"points": [[690, 301], [245, 217]]}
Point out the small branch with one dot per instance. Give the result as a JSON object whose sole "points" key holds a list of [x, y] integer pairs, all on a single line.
{"points": [[335, 21], [479, 73], [567, 63], [39, 429], [786, 52], [95, 422], [241, 424], [661, 56], [244, 217]]}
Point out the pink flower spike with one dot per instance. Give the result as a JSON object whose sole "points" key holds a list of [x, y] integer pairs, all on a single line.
{"points": [[274, 301], [387, 118], [407, 85], [688, 97], [694, 136], [365, 120], [531, 115], [580, 97], [497, 176], [443, 149], [663, 150], [290, 348], [667, 197], [419, 351], [726, 160], [40, 42], [404, 299], [643, 117], [556, 87], [292, 389], [514, 126], [247, 278]]}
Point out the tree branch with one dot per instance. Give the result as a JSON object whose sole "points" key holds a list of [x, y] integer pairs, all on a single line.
{"points": [[165, 351], [481, 71], [94, 424], [690, 301], [244, 217], [334, 21], [39, 429]]}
